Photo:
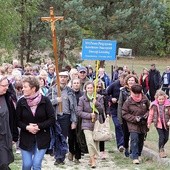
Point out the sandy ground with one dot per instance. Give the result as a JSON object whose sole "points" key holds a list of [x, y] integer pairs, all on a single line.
{"points": [[107, 164]]}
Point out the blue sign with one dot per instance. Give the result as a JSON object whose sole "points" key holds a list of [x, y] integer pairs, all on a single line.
{"points": [[98, 50]]}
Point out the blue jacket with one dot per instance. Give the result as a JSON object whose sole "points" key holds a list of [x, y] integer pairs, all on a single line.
{"points": [[113, 91], [168, 76], [106, 80]]}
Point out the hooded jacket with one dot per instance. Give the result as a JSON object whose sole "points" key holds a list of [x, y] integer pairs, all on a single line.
{"points": [[154, 115]]}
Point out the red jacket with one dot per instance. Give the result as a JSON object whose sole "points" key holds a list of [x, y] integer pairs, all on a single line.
{"points": [[145, 82]]}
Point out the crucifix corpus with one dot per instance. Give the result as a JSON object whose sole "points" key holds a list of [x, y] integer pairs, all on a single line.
{"points": [[52, 19]]}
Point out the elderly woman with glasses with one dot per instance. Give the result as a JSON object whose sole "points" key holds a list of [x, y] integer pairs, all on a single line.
{"points": [[8, 126], [35, 115]]}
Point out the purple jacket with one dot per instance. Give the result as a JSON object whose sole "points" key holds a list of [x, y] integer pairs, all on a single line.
{"points": [[85, 110]]}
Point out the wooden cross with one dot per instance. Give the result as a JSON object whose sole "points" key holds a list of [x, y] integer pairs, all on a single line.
{"points": [[52, 19]]}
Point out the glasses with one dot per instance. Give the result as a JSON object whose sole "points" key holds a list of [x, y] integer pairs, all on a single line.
{"points": [[99, 87], [28, 70]]}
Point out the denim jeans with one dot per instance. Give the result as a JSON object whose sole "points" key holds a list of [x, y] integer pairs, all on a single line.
{"points": [[137, 141], [32, 158], [118, 129]]}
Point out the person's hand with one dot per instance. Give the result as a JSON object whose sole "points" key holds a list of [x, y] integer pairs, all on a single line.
{"points": [[94, 101], [145, 116], [93, 116], [114, 100], [168, 123], [33, 128], [148, 126], [59, 99], [73, 125], [138, 118]]}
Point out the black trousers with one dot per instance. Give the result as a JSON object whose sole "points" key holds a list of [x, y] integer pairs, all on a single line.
{"points": [[73, 144], [163, 137], [101, 146], [165, 89]]}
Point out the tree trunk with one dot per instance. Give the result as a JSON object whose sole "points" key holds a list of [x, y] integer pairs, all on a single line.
{"points": [[102, 63], [29, 42], [22, 34]]}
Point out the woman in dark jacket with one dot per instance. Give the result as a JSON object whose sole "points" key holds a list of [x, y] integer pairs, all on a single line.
{"points": [[35, 115], [8, 126], [129, 81], [135, 112], [85, 111], [144, 81]]}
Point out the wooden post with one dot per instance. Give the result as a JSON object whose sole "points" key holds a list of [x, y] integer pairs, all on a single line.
{"points": [[52, 19]]}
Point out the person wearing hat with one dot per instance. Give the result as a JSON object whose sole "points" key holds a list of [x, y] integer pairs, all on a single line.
{"points": [[154, 81], [82, 74], [68, 117]]}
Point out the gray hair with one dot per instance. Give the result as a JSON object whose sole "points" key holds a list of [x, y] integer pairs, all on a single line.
{"points": [[2, 77]]}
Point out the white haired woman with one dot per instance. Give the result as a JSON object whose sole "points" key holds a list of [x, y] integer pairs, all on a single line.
{"points": [[8, 126]]}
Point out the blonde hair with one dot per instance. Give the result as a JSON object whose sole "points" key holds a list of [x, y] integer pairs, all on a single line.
{"points": [[160, 93], [73, 71]]}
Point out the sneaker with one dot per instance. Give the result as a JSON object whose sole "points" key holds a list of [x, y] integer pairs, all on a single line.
{"points": [[127, 152], [135, 161], [18, 151], [58, 162], [121, 148], [103, 155], [162, 154], [70, 156]]}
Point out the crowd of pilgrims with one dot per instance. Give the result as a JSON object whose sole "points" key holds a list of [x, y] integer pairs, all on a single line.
{"points": [[29, 101]]}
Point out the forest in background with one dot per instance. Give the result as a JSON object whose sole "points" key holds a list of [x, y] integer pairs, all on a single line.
{"points": [[142, 25]]}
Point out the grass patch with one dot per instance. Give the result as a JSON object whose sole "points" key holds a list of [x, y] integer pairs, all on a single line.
{"points": [[126, 163]]}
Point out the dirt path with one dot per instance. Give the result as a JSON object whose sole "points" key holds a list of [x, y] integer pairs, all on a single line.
{"points": [[107, 164]]}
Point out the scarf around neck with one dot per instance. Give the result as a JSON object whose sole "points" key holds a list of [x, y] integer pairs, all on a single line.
{"points": [[33, 101], [136, 99]]}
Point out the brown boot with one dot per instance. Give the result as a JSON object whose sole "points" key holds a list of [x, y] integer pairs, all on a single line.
{"points": [[93, 162], [162, 153]]}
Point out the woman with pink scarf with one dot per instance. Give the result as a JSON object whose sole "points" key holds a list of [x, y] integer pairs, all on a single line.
{"points": [[135, 112], [35, 115]]}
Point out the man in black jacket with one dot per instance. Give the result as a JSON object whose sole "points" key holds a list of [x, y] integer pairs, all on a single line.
{"points": [[113, 91], [154, 81]]}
